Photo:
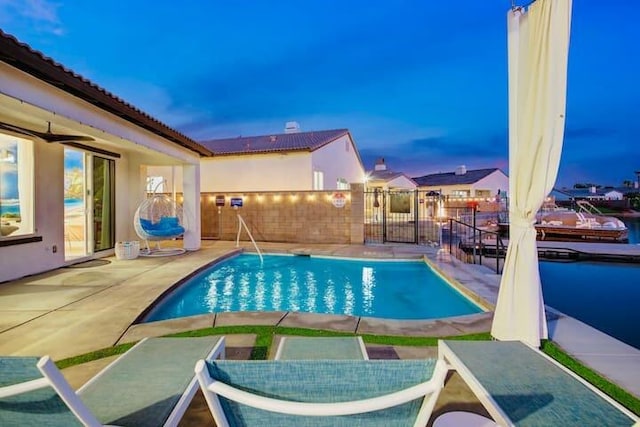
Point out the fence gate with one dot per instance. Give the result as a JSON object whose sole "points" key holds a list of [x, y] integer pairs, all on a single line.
{"points": [[401, 216]]}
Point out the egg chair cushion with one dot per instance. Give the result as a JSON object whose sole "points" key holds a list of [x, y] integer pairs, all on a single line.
{"points": [[169, 222], [168, 226]]}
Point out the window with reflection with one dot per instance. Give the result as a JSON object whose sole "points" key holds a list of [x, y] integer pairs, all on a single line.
{"points": [[16, 187]]}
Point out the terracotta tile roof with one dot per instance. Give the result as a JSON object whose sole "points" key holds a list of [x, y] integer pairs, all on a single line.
{"points": [[450, 178], [23, 57], [282, 142]]}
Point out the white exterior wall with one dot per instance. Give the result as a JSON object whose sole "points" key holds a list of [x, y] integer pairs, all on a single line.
{"points": [[257, 172], [613, 195], [29, 102], [273, 172], [261, 172], [24, 259], [447, 190], [401, 182], [336, 160], [493, 182]]}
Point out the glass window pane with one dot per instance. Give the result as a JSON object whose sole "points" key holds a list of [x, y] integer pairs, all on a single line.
{"points": [[16, 186]]}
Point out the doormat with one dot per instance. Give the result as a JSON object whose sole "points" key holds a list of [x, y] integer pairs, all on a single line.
{"points": [[90, 263]]}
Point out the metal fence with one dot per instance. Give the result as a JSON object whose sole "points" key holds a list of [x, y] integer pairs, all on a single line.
{"points": [[408, 216], [473, 245], [412, 216]]}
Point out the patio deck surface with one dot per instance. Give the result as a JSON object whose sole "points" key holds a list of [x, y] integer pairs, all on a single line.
{"points": [[70, 311]]}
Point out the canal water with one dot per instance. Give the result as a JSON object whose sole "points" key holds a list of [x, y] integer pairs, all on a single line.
{"points": [[601, 294]]}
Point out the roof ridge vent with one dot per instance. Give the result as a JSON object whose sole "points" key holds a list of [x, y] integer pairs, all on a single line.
{"points": [[292, 127]]}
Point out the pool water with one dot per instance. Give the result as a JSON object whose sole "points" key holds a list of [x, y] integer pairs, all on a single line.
{"points": [[384, 289], [603, 295]]}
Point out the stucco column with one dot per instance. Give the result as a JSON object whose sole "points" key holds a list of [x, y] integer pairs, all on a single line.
{"points": [[131, 175], [357, 213], [191, 206]]}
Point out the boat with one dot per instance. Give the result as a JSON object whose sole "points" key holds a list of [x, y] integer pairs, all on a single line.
{"points": [[587, 223]]}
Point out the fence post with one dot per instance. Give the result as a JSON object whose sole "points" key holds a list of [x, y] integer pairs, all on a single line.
{"points": [[450, 234], [479, 244], [385, 193], [497, 255], [416, 234], [473, 220]]}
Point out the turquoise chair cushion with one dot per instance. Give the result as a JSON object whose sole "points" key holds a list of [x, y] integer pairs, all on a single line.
{"points": [[322, 381], [168, 226], [169, 222], [41, 407]]}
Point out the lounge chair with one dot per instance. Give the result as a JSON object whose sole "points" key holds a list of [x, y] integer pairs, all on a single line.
{"points": [[521, 386], [328, 348], [152, 384], [321, 392]]}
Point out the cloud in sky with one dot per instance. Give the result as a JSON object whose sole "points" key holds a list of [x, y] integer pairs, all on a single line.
{"points": [[40, 15], [421, 83]]}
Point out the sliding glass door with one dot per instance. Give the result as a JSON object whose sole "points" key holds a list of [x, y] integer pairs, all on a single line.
{"points": [[103, 203], [89, 197]]}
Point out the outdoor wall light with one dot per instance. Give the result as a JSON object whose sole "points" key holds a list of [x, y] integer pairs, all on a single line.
{"points": [[311, 197], [277, 197], [259, 198]]}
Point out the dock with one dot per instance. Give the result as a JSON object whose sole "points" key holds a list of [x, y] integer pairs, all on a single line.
{"points": [[589, 251], [556, 250]]}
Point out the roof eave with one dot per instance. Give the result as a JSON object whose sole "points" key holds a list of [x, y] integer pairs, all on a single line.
{"points": [[24, 58]]}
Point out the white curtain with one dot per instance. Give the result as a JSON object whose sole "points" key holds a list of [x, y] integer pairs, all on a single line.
{"points": [[538, 45]]}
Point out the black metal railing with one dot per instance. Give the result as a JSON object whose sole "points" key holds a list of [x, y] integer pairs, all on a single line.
{"points": [[473, 245]]}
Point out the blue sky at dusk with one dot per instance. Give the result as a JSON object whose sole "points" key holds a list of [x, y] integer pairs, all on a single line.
{"points": [[421, 83]]}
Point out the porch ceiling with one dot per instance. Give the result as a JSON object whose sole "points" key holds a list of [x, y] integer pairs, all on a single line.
{"points": [[18, 113]]}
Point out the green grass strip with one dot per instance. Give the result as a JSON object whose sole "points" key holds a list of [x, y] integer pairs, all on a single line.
{"points": [[612, 390], [94, 355]]}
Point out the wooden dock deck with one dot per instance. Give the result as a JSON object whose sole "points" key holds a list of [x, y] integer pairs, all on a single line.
{"points": [[570, 251], [612, 252]]}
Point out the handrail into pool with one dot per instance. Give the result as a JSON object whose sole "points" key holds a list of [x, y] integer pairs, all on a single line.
{"points": [[240, 224]]}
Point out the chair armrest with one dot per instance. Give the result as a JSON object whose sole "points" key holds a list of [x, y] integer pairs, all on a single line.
{"points": [[24, 387]]}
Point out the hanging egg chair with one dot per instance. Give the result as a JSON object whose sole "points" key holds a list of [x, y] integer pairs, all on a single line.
{"points": [[158, 218]]}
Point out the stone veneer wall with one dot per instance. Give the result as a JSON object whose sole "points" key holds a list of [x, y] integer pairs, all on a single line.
{"points": [[287, 216]]}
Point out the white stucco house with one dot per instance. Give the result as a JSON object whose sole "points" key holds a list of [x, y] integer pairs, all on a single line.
{"points": [[73, 161], [483, 183], [290, 161], [596, 193], [611, 194], [384, 179]]}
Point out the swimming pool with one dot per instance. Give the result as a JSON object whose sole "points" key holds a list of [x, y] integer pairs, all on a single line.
{"points": [[603, 295], [384, 289]]}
